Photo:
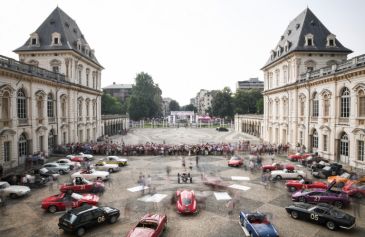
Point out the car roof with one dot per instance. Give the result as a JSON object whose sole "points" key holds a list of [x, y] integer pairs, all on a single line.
{"points": [[82, 209], [3, 182]]}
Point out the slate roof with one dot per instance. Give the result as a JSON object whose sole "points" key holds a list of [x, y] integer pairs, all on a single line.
{"points": [[59, 21], [306, 23]]}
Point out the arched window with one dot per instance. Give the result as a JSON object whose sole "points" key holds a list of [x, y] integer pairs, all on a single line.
{"points": [[315, 139], [326, 105], [344, 145], [63, 106], [345, 103], [22, 145], [361, 98], [50, 106], [315, 105], [22, 104]]}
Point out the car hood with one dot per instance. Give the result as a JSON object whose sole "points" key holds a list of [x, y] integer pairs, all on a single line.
{"points": [[141, 232], [51, 199], [18, 188], [265, 230], [90, 197]]}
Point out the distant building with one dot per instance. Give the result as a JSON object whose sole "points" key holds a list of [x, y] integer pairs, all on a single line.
{"points": [[192, 101], [121, 91], [203, 101], [252, 83], [165, 106]]}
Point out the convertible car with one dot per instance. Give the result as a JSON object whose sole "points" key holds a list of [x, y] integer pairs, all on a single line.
{"points": [[277, 166], [287, 174], [151, 225], [92, 174], [60, 201], [257, 225], [322, 214], [235, 161], [82, 185], [115, 160], [355, 188], [343, 178], [294, 185], [299, 156], [186, 202]]}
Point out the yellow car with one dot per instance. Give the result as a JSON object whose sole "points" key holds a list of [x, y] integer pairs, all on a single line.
{"points": [[114, 160], [343, 178]]}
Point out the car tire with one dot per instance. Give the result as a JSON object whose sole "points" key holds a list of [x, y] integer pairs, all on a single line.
{"points": [[278, 177], [294, 214], [292, 189], [13, 195], [110, 170], [52, 209], [113, 219], [330, 225], [80, 231], [302, 199], [338, 204]]}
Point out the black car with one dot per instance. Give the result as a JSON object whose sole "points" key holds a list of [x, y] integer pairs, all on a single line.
{"points": [[222, 129], [323, 214], [329, 170], [79, 219]]}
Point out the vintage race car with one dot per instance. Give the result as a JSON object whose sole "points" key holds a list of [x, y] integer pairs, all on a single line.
{"points": [[287, 174], [277, 166], [82, 155], [70, 163], [91, 174], [13, 191], [336, 198], [257, 225], [299, 156], [343, 178], [355, 188], [151, 225], [184, 177], [115, 160], [186, 202], [57, 167], [82, 185], [78, 159], [45, 173], [214, 182], [103, 166], [59, 202], [235, 161], [322, 214], [294, 185]]}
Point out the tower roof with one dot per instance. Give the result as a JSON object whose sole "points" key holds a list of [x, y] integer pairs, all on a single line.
{"points": [[58, 21], [294, 37]]}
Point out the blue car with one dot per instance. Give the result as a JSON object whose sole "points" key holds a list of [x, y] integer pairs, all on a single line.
{"points": [[256, 224]]}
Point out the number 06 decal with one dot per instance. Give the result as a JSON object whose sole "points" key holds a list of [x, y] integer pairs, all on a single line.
{"points": [[314, 217], [101, 219]]}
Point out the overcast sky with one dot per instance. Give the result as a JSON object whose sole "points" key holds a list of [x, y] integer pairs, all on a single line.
{"points": [[185, 45]]}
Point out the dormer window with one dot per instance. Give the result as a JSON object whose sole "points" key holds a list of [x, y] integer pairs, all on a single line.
{"points": [[78, 43], [331, 41], [56, 38], [278, 51], [309, 40], [272, 54], [286, 46], [34, 40]]}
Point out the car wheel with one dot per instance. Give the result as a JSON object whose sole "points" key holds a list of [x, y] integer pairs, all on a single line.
{"points": [[52, 209], [330, 225], [13, 195], [113, 219], [302, 199], [278, 177], [292, 189], [80, 231], [294, 214], [338, 204], [110, 170]]}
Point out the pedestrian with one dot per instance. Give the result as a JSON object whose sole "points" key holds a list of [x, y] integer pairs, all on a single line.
{"points": [[251, 166], [3, 202], [110, 181], [197, 160], [168, 170]]}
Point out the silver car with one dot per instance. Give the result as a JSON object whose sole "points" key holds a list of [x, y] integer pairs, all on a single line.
{"points": [[58, 168]]}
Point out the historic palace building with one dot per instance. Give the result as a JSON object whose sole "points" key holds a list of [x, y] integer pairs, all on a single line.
{"points": [[50, 96], [314, 96]]}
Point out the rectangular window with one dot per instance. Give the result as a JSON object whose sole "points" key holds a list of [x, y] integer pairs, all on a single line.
{"points": [[315, 141], [310, 42], [34, 41], [301, 140], [80, 77], [315, 108], [362, 106], [345, 107], [326, 107], [56, 40], [87, 79], [302, 108], [64, 138], [360, 150], [325, 145], [7, 155]]}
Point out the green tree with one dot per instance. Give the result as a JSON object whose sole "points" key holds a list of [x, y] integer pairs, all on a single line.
{"points": [[145, 100], [110, 105], [189, 107], [222, 103], [260, 106], [246, 101], [174, 106]]}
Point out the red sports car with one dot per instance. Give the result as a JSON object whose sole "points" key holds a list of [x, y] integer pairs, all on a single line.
{"points": [[186, 202], [77, 159], [355, 188], [277, 166], [294, 185], [151, 225], [60, 201], [82, 185], [299, 156], [235, 161]]}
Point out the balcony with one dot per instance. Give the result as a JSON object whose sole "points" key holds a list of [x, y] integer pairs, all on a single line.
{"points": [[5, 123], [360, 122], [51, 120], [23, 121], [314, 119], [344, 121]]}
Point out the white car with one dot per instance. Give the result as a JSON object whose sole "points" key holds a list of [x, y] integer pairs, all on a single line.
{"points": [[91, 174], [111, 168], [13, 191], [116, 160], [287, 174], [87, 156], [72, 164], [57, 167]]}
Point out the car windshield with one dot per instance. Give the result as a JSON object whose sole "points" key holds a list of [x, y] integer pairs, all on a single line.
{"points": [[186, 201], [69, 217], [4, 185], [145, 224], [327, 168], [336, 213], [235, 158]]}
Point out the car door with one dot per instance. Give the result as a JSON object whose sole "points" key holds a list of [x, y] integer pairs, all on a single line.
{"points": [[87, 219], [313, 197], [99, 217], [318, 216]]}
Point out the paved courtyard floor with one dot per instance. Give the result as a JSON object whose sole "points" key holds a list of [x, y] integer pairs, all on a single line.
{"points": [[24, 217]]}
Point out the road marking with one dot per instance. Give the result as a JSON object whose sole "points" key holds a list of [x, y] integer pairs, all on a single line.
{"points": [[137, 188], [153, 198], [241, 187], [244, 229], [222, 196], [240, 178]]}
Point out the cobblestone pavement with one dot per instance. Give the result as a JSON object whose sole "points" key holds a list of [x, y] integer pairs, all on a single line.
{"points": [[24, 217]]}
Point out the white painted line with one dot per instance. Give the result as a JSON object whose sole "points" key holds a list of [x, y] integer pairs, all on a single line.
{"points": [[137, 188], [240, 178], [244, 229], [222, 196], [241, 187], [154, 198]]}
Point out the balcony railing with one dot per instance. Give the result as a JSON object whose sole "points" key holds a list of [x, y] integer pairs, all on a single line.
{"points": [[343, 120], [51, 120], [314, 119], [23, 121]]}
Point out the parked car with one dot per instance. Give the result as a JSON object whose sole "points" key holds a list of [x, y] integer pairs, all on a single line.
{"points": [[150, 225], [299, 156], [59, 202], [71, 163], [80, 219], [35, 181], [287, 174], [310, 160], [186, 202], [294, 185], [222, 129], [277, 166], [343, 178], [355, 188], [57, 168], [83, 155], [103, 166], [257, 225], [45, 173], [115, 160], [332, 169], [82, 185], [235, 161], [316, 166], [322, 214], [13, 191], [91, 174]]}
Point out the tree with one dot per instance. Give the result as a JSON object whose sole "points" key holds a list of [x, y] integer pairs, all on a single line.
{"points": [[110, 105], [145, 100], [174, 106], [189, 107], [260, 106], [245, 101], [222, 103]]}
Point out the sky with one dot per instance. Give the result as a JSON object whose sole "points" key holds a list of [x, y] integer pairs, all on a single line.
{"points": [[185, 45]]}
